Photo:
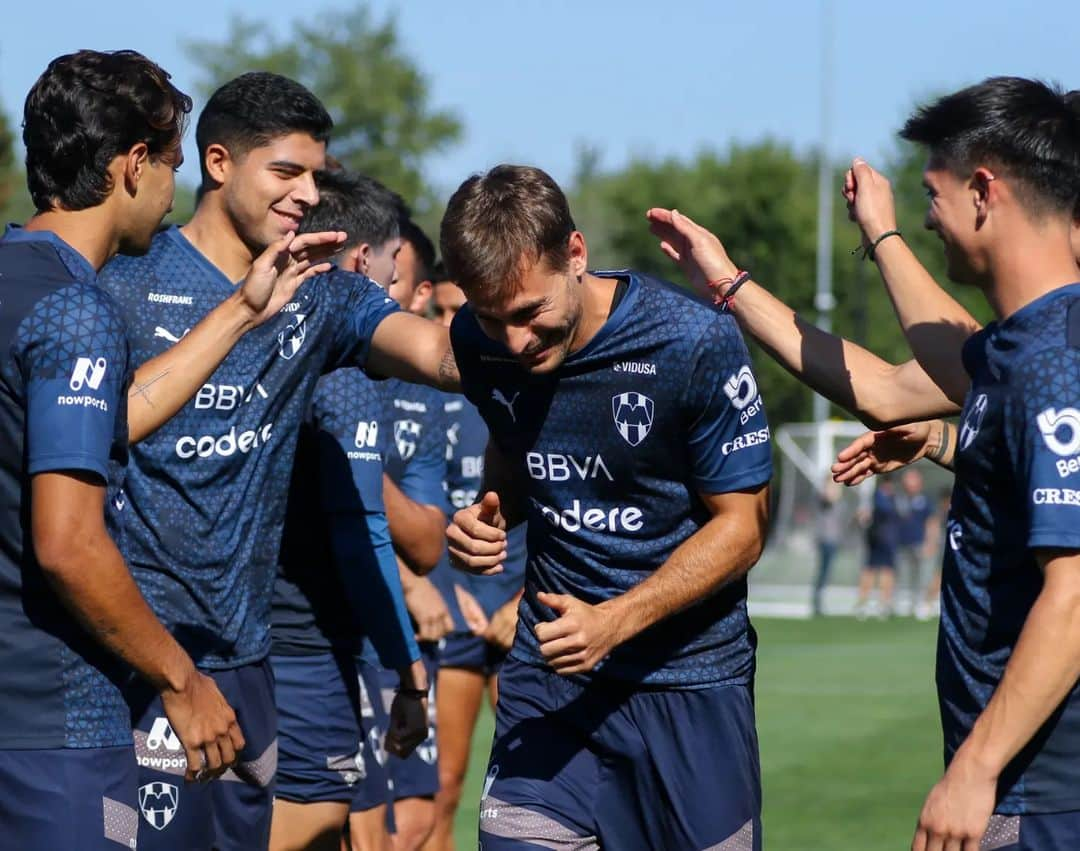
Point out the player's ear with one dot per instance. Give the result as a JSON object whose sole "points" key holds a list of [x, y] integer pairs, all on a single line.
{"points": [[579, 254], [363, 254], [421, 297], [218, 162], [352, 261], [983, 190], [132, 164]]}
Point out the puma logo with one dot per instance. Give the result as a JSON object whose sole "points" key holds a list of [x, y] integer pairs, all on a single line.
{"points": [[166, 334], [499, 397]]}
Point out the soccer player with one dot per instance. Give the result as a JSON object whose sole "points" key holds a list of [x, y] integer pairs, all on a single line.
{"points": [[626, 426], [102, 133], [416, 467], [475, 651], [205, 498], [1003, 177], [338, 578]]}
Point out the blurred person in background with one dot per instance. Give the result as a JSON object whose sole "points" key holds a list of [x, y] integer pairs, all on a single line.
{"points": [[831, 520]]}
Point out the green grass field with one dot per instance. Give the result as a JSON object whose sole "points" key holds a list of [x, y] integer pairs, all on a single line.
{"points": [[848, 725]]}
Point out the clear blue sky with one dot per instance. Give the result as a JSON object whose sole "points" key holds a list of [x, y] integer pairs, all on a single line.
{"points": [[533, 79]]}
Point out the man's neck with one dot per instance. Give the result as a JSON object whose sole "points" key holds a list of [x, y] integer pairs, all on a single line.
{"points": [[596, 307], [1037, 260], [89, 232], [212, 232]]}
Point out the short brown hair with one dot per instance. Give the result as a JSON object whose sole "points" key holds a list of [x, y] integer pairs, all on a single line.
{"points": [[495, 221]]}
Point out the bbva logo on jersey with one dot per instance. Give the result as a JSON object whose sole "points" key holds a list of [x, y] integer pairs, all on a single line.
{"points": [[158, 802], [633, 413]]}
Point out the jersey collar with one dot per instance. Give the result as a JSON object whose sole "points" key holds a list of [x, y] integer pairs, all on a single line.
{"points": [[76, 264]]}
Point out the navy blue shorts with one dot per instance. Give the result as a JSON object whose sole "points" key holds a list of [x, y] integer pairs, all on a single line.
{"points": [[320, 728], [373, 789], [465, 650], [603, 765], [227, 814], [1044, 832], [416, 776], [881, 556], [85, 798]]}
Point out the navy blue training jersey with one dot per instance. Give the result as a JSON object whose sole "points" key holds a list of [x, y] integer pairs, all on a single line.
{"points": [[416, 460], [338, 579], [64, 372], [1017, 490], [466, 440], [617, 443], [206, 493]]}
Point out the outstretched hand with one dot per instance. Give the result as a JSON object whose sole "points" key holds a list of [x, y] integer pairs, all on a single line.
{"points": [[699, 253], [279, 271], [877, 452]]}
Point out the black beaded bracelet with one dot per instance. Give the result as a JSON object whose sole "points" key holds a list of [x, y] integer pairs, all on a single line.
{"points": [[873, 245], [415, 693]]}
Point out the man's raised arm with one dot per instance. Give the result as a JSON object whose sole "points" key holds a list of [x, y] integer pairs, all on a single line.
{"points": [[877, 392], [935, 324], [414, 349], [162, 385]]}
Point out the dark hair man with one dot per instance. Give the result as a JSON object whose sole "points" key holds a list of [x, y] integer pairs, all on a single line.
{"points": [[102, 134], [206, 496], [1003, 178], [627, 427], [338, 590]]}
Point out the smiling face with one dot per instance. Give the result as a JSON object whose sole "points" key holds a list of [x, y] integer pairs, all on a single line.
{"points": [[953, 216], [537, 320], [267, 190]]}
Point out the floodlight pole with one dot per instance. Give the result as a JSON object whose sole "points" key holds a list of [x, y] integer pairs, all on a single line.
{"points": [[823, 300]]}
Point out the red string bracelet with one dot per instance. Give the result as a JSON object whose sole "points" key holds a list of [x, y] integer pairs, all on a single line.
{"points": [[726, 300]]}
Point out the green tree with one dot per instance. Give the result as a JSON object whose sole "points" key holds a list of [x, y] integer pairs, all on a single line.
{"points": [[15, 203], [385, 125]]}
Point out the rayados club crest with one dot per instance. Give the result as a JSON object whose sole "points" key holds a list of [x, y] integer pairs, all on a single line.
{"points": [[633, 413]]}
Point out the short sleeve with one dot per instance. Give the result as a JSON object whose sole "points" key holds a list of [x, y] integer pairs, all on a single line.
{"points": [[422, 468], [1042, 434], [729, 441], [73, 353], [359, 305]]}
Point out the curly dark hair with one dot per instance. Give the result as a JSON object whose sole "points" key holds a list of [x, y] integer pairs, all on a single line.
{"points": [[86, 109]]}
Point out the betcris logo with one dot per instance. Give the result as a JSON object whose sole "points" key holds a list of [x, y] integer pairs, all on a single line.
{"points": [[742, 391], [745, 441], [618, 518], [224, 445], [1056, 496], [1060, 431]]}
